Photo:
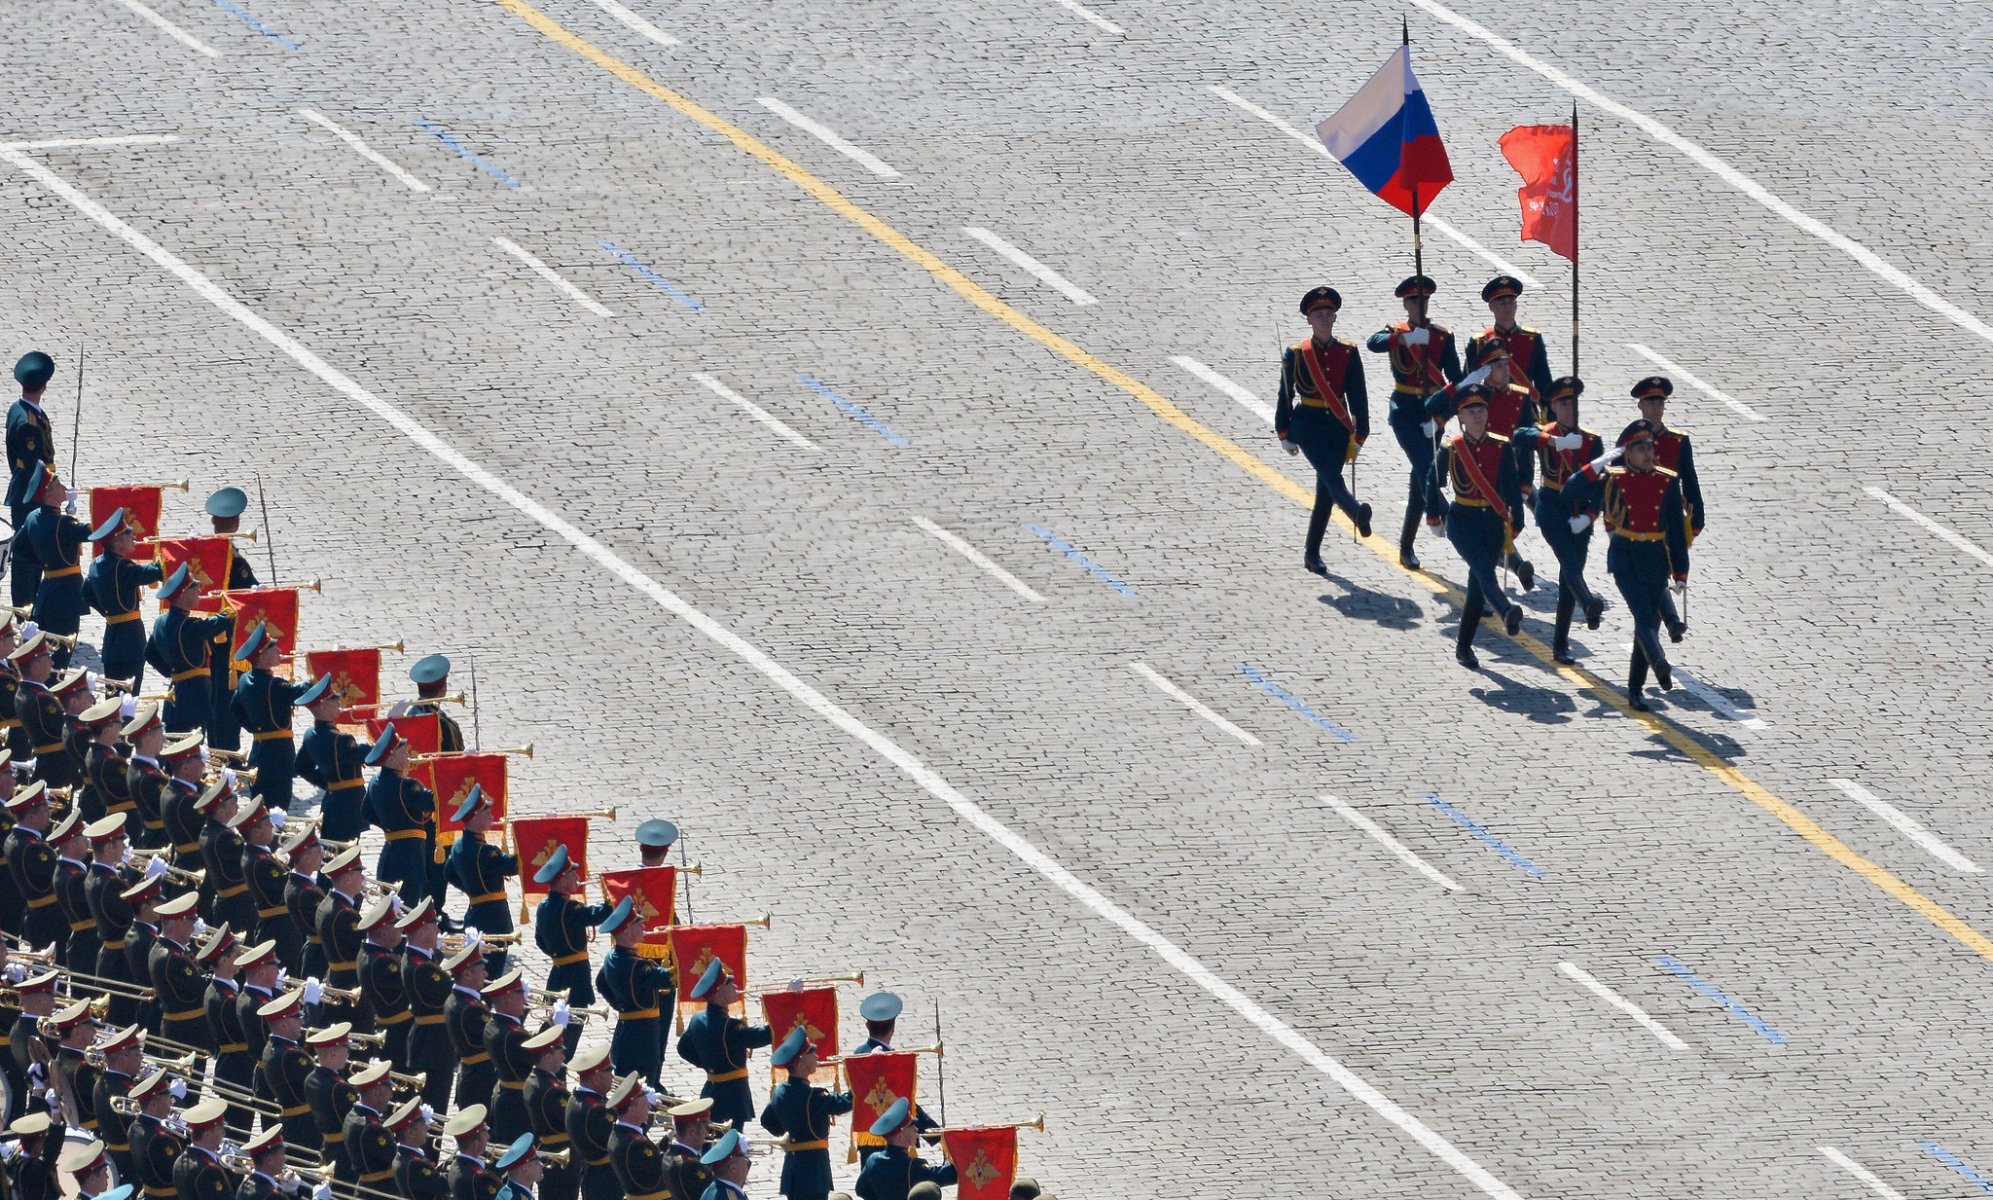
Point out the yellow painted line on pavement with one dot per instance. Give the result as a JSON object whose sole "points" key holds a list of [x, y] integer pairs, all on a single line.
{"points": [[1677, 737]]}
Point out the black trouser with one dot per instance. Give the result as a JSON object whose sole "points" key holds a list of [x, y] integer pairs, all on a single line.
{"points": [[1325, 441], [1641, 571], [1478, 534], [27, 572], [1407, 418]]}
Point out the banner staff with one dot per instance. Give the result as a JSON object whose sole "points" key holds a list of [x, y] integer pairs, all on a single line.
{"points": [[76, 425], [269, 543], [1576, 208], [940, 1066]]}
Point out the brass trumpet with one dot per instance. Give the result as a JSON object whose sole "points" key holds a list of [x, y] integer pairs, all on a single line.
{"points": [[859, 979], [65, 641], [228, 756], [1038, 1124], [177, 485], [525, 751], [143, 859], [343, 995], [373, 1041], [127, 687], [458, 698], [454, 942], [413, 1083]]}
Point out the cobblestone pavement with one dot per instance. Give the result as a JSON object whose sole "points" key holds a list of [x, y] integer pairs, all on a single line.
{"points": [[1206, 942]]}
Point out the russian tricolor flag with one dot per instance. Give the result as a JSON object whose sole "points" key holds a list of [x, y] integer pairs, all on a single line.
{"points": [[1387, 138]]}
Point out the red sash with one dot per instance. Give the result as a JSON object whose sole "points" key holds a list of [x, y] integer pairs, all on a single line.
{"points": [[1331, 396], [1464, 455], [1420, 370]]}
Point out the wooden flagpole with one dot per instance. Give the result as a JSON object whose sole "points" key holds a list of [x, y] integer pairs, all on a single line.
{"points": [[1575, 209]]}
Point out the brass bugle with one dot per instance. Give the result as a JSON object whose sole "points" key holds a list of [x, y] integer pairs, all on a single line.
{"points": [[1038, 1124], [525, 751], [248, 536], [859, 979], [66, 641], [457, 698], [455, 941], [336, 847], [371, 1040], [343, 995], [178, 485], [228, 756], [543, 996], [417, 1081], [556, 1157], [316, 1174]]}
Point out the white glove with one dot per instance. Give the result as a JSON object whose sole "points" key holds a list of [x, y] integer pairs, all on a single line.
{"points": [[795, 985], [200, 929], [1418, 337], [1580, 523], [28, 630], [1290, 445], [398, 710], [16, 973], [54, 1100], [473, 937], [69, 505], [90, 681], [178, 1088], [1679, 586], [1568, 441], [8, 1150], [125, 857], [394, 903], [428, 1115], [128, 707], [277, 818], [283, 973], [652, 1095], [37, 1074], [230, 1149], [1477, 375], [322, 1192], [314, 991], [559, 1015], [1607, 459], [1429, 427]]}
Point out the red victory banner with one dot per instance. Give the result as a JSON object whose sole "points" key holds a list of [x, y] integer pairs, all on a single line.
{"points": [[208, 558], [875, 1081], [141, 503], [356, 678], [813, 1009], [275, 607], [538, 837], [419, 730], [652, 892], [451, 777], [985, 1160], [1546, 156], [693, 947]]}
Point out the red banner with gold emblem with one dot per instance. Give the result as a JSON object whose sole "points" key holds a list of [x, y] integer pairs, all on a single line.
{"points": [[275, 607], [538, 837], [451, 777], [356, 678], [694, 947], [985, 1160], [208, 558], [875, 1082], [653, 893], [419, 730], [141, 503], [814, 1009]]}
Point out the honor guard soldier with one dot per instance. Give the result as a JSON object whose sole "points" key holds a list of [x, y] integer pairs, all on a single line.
{"points": [[546, 1111], [560, 930], [1424, 359], [99, 734], [31, 860], [339, 931], [1529, 357], [654, 841], [881, 1011], [267, 1157], [636, 986], [198, 1173], [370, 1148], [123, 1055], [480, 870], [1324, 413], [471, 1177], [1477, 467], [103, 889], [505, 1040], [264, 913], [18, 747], [184, 771], [55, 540], [30, 443], [1561, 449], [32, 1170], [803, 1114], [718, 1043], [427, 986], [889, 1174], [234, 1064], [72, 691], [71, 847], [113, 584], [589, 1122], [521, 1167], [176, 981], [221, 853], [1509, 408], [327, 1090], [284, 1070], [465, 1015], [406, 813], [416, 1176], [332, 759], [145, 778], [1641, 505], [639, 1166], [728, 1161], [154, 1145], [263, 705], [381, 988], [225, 510], [35, 703], [431, 676], [1672, 452], [179, 649], [303, 952]]}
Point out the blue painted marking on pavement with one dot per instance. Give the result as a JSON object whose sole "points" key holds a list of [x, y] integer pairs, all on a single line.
{"points": [[1485, 838], [464, 152], [258, 26], [653, 278], [1293, 701], [1677, 967], [853, 411], [1066, 548], [1963, 1168]]}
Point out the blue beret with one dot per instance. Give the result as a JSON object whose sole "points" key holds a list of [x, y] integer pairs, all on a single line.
{"points": [[723, 1149], [710, 980], [317, 690], [556, 863], [36, 478], [433, 669], [881, 1006], [470, 804], [228, 502], [34, 369], [174, 582], [618, 916], [892, 1119], [791, 1046], [253, 641], [110, 527], [656, 832], [517, 1151], [382, 746]]}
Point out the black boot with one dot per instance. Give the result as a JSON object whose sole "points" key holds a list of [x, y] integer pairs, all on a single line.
{"points": [[1513, 621], [1406, 558], [1676, 628], [1318, 524], [1594, 609], [1561, 646], [1665, 676], [1363, 520], [1525, 572], [1464, 655], [1636, 681]]}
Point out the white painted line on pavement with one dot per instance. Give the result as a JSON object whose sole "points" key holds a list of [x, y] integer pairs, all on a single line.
{"points": [[1315, 144], [128, 139], [1259, 407], [1908, 826], [1192, 703], [1639, 1015], [982, 560], [1079, 10], [1716, 700], [635, 22], [1860, 1172], [1722, 170], [547, 273], [173, 31], [1682, 373], [1059, 282], [1931, 525], [892, 753], [752, 409], [829, 137], [1398, 849], [363, 149]]}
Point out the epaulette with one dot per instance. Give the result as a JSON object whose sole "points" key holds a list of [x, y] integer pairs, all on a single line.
{"points": [[1659, 469], [1528, 330], [1496, 436]]}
